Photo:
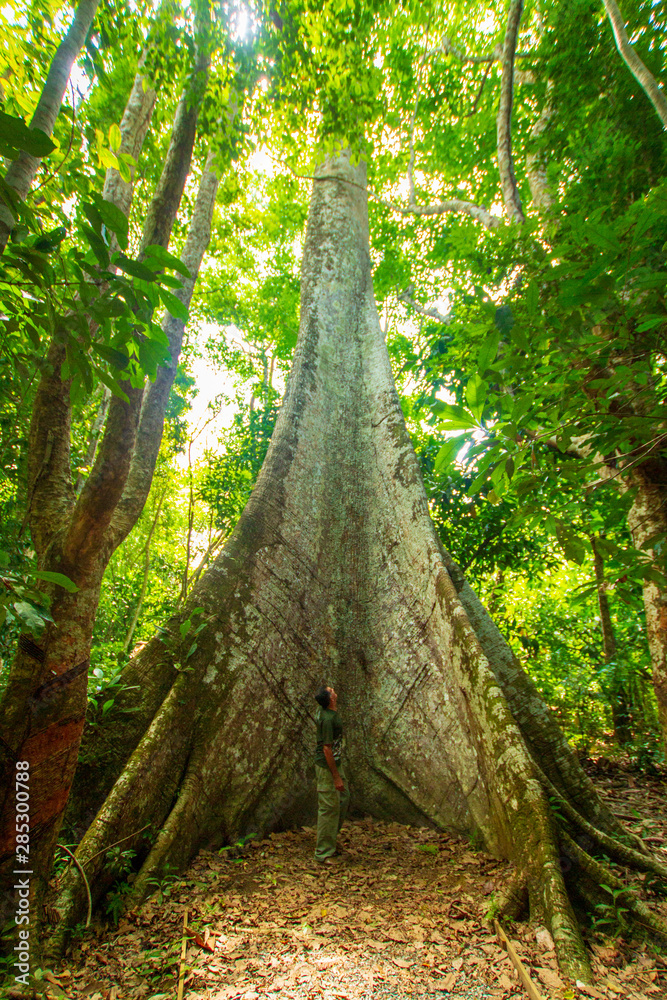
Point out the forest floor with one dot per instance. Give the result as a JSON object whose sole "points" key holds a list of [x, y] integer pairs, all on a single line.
{"points": [[402, 914]]}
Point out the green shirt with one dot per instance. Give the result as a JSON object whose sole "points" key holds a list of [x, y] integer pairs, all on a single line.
{"points": [[329, 732]]}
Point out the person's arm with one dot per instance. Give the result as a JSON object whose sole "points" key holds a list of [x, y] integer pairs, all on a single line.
{"points": [[329, 757]]}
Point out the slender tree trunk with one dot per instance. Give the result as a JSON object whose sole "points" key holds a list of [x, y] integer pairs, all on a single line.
{"points": [[191, 520], [43, 707], [641, 74], [133, 128], [335, 571], [144, 579], [508, 184], [22, 171], [95, 432], [620, 711], [647, 521]]}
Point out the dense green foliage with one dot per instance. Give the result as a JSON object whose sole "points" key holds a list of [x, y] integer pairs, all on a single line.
{"points": [[552, 335]]}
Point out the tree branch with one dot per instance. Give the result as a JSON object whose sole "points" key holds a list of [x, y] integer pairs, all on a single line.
{"points": [[118, 450], [508, 185], [641, 74], [448, 48], [422, 310], [151, 424], [133, 127], [477, 212], [22, 171]]}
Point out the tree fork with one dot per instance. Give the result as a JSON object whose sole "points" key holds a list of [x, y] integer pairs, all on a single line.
{"points": [[43, 707]]}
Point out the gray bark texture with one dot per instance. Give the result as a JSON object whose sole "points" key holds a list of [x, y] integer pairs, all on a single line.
{"points": [[647, 520], [644, 78], [133, 128], [22, 171], [508, 185], [334, 573]]}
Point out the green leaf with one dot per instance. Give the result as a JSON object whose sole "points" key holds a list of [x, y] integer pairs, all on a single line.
{"points": [[476, 391], [112, 384], [447, 453], [456, 418], [504, 318], [161, 256], [115, 138], [116, 358], [602, 236], [174, 305], [96, 243], [532, 298], [33, 616], [133, 267], [113, 219], [16, 136], [488, 351], [59, 578], [650, 323]]}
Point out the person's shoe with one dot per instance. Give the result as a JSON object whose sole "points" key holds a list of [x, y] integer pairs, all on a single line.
{"points": [[332, 860]]}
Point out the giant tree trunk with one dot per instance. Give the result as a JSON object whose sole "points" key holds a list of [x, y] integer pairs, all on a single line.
{"points": [[335, 573]]}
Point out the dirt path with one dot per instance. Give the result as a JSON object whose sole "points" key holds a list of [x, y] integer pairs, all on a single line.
{"points": [[402, 915]]}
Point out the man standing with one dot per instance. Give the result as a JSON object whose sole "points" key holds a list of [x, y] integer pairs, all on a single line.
{"points": [[333, 796]]}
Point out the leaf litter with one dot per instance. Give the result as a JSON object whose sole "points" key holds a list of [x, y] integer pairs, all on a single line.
{"points": [[402, 913]]}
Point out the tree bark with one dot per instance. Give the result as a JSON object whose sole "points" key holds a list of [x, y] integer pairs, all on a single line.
{"points": [[508, 185], [133, 128], [620, 712], [644, 78], [335, 571], [647, 520], [22, 171], [144, 580]]}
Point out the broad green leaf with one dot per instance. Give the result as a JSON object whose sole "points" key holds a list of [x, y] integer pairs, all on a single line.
{"points": [[602, 236], [114, 219], [476, 391], [112, 384], [651, 323], [133, 267], [174, 305], [115, 138], [456, 418], [447, 453], [96, 244], [16, 136], [159, 255], [117, 358], [59, 578], [504, 318], [488, 351]]}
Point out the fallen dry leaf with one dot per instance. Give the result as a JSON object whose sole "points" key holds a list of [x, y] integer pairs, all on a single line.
{"points": [[550, 979]]}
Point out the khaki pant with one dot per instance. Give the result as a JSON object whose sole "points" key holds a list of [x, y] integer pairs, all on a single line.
{"points": [[331, 810]]}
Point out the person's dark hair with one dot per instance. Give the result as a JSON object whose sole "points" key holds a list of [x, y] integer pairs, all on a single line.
{"points": [[323, 696]]}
